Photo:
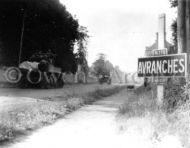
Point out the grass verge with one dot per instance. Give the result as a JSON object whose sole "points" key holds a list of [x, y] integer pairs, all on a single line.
{"points": [[139, 102], [23, 119], [141, 107]]}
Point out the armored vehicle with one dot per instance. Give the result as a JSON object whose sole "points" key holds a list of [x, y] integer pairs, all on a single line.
{"points": [[39, 72], [105, 78]]}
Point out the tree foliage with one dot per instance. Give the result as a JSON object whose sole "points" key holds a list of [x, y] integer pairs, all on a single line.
{"points": [[82, 49], [174, 32], [47, 26], [102, 66], [174, 4]]}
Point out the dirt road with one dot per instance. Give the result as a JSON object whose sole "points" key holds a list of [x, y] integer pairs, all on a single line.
{"points": [[40, 93], [96, 126], [88, 127], [16, 97]]}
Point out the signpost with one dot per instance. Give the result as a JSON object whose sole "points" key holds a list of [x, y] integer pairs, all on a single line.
{"points": [[159, 68], [162, 66]]}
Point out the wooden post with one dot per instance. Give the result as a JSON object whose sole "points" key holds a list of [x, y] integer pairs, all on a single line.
{"points": [[188, 26], [21, 37], [160, 94], [188, 40], [183, 30], [188, 35], [76, 77], [181, 26]]}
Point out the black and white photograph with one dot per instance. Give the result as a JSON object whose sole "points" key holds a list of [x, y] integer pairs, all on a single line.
{"points": [[94, 73]]}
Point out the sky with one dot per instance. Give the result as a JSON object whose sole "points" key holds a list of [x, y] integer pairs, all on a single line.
{"points": [[121, 29]]}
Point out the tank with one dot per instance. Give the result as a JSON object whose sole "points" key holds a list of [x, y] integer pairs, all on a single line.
{"points": [[40, 75], [38, 72], [34, 75], [105, 78]]}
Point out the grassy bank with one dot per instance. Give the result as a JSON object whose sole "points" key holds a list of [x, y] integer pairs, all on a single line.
{"points": [[158, 124], [140, 101], [20, 120]]}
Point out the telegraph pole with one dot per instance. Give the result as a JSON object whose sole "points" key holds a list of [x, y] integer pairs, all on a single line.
{"points": [[188, 26], [22, 35], [187, 16], [183, 29], [181, 26]]}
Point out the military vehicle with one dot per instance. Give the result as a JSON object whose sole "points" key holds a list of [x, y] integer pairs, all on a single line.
{"points": [[39, 72], [45, 75], [105, 78]]}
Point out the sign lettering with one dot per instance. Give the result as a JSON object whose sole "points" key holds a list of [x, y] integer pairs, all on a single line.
{"points": [[162, 66], [157, 52]]}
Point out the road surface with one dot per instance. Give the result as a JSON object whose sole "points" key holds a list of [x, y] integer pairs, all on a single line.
{"points": [[40, 93], [16, 97], [96, 126]]}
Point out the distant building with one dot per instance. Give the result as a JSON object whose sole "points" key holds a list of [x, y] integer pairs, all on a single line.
{"points": [[161, 41]]}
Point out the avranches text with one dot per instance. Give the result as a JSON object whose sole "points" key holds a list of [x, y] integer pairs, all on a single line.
{"points": [[173, 65]]}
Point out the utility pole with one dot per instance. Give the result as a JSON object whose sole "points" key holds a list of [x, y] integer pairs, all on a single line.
{"points": [[181, 26], [188, 26], [22, 35], [188, 35]]}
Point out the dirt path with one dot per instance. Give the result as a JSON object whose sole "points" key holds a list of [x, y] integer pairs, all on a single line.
{"points": [[40, 93], [95, 126], [15, 97]]}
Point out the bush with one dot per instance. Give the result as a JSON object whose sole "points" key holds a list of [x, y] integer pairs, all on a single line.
{"points": [[180, 120], [175, 93], [74, 103], [101, 93]]}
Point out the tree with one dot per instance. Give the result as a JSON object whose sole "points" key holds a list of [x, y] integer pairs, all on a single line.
{"points": [[174, 32], [82, 49], [174, 4], [101, 66], [45, 24]]}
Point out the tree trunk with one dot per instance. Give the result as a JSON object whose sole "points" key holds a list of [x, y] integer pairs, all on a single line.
{"points": [[181, 26], [188, 35], [188, 25]]}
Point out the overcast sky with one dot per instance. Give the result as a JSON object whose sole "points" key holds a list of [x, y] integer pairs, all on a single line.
{"points": [[120, 28]]}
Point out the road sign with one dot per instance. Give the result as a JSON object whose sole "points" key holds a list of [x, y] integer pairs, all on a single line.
{"points": [[157, 52], [159, 80], [163, 66]]}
